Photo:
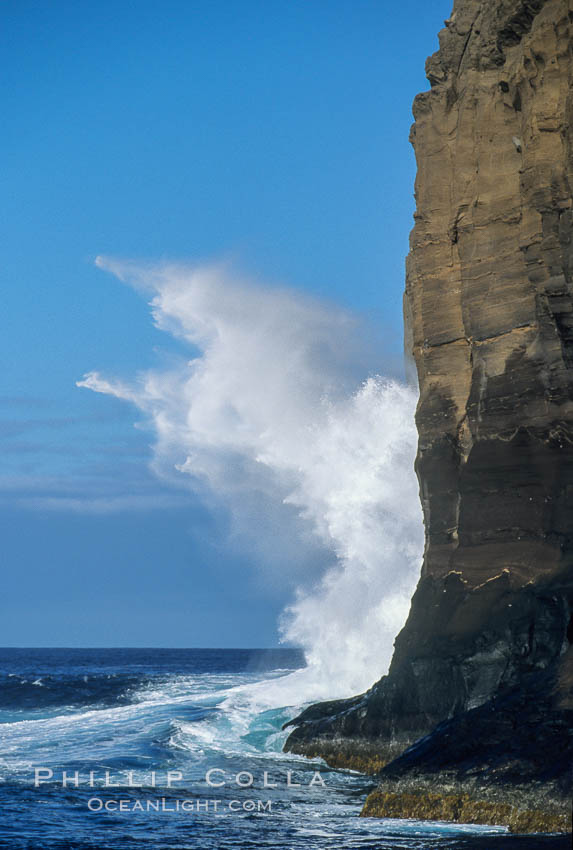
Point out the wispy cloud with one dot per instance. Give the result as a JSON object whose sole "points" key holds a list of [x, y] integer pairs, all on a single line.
{"points": [[96, 493], [17, 427], [104, 505], [80, 462], [25, 402]]}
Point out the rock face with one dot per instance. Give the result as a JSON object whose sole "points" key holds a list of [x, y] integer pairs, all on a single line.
{"points": [[489, 324], [489, 295], [509, 761]]}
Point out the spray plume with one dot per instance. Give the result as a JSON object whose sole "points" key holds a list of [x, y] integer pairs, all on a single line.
{"points": [[274, 415]]}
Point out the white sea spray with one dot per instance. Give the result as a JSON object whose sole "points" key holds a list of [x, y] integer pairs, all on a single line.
{"points": [[279, 417]]}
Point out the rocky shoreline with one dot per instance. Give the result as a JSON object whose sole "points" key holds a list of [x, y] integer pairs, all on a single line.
{"points": [[516, 808], [474, 719], [507, 762]]}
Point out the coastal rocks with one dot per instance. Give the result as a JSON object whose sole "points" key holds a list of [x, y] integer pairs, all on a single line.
{"points": [[489, 324], [461, 808], [461, 644], [510, 761]]}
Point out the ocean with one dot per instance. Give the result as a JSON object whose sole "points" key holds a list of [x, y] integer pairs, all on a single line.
{"points": [[116, 727]]}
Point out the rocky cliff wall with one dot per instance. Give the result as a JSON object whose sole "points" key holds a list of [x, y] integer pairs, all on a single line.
{"points": [[489, 322], [489, 295]]}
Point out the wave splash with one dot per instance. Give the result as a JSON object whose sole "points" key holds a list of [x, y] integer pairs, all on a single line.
{"points": [[276, 416]]}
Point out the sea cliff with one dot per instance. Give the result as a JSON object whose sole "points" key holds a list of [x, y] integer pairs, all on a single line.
{"points": [[477, 706]]}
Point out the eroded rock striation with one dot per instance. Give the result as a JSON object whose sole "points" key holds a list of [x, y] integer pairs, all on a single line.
{"points": [[489, 324]]}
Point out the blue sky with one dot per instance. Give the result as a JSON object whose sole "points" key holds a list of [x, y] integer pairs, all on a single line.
{"points": [[272, 136]]}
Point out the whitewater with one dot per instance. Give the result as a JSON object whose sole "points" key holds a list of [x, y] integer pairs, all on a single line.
{"points": [[113, 724], [277, 413]]}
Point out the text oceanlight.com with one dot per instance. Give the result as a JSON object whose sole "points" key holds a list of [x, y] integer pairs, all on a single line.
{"points": [[163, 804]]}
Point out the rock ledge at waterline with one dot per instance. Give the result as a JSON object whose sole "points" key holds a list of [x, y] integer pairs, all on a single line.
{"points": [[474, 720]]}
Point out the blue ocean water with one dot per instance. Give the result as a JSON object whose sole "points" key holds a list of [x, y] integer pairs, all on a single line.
{"points": [[129, 716]]}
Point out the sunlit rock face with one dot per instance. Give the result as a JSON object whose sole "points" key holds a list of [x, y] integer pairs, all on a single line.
{"points": [[489, 324], [489, 297]]}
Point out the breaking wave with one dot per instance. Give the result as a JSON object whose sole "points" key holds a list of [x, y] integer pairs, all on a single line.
{"points": [[278, 416]]}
